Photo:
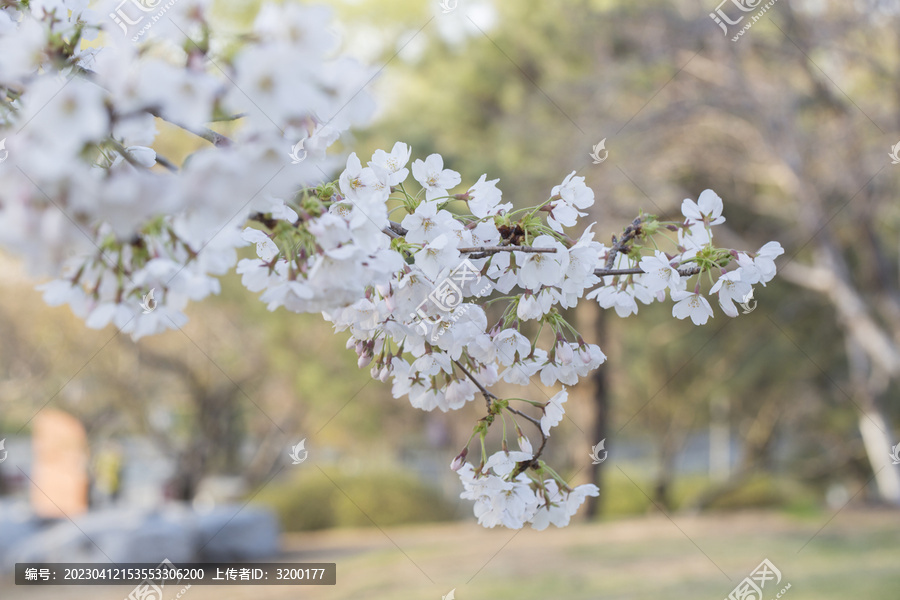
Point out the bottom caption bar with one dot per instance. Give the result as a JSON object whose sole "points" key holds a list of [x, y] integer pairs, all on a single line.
{"points": [[153, 576]]}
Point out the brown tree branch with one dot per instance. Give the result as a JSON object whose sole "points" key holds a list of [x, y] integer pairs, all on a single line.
{"points": [[620, 245], [684, 272], [216, 139], [485, 251], [487, 395]]}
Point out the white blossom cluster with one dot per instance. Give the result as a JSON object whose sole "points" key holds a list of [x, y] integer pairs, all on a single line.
{"points": [[446, 291], [694, 247], [85, 194], [502, 498], [425, 325]]}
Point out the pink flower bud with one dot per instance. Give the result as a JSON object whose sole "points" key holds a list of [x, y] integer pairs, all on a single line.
{"points": [[564, 352], [460, 460]]}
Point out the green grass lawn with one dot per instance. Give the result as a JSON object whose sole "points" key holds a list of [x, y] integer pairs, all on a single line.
{"points": [[854, 555]]}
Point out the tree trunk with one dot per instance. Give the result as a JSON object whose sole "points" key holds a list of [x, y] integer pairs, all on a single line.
{"points": [[755, 455], [662, 487], [873, 425], [600, 426]]}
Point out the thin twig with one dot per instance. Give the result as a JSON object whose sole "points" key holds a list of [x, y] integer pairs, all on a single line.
{"points": [[397, 228], [487, 395], [487, 398], [166, 163], [533, 463], [230, 118], [217, 139], [618, 246], [528, 418], [684, 272], [485, 251]]}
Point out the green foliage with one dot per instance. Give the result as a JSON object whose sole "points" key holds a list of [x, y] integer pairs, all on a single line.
{"points": [[624, 498], [767, 491], [313, 501]]}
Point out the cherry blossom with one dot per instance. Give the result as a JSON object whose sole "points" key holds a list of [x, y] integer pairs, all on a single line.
{"points": [[707, 209], [484, 198], [660, 274], [431, 174], [731, 288], [553, 411], [691, 305], [394, 163], [437, 255], [543, 268]]}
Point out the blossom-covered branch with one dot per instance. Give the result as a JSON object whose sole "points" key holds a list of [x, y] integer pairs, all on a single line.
{"points": [[464, 295]]}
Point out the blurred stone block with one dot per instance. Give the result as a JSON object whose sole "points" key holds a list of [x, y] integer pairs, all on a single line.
{"points": [[59, 475], [120, 535], [232, 533], [17, 524]]}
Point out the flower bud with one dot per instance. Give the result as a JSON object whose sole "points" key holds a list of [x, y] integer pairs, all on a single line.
{"points": [[145, 157], [525, 444], [460, 460], [564, 352]]}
